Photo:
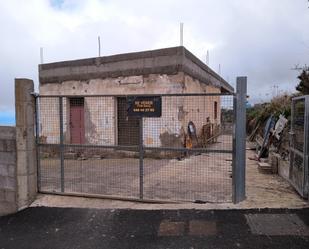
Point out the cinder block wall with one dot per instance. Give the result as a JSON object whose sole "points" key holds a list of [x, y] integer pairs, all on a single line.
{"points": [[18, 179], [7, 170]]}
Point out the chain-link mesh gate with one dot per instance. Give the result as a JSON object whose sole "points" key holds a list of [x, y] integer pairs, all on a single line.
{"points": [[88, 145], [299, 145]]}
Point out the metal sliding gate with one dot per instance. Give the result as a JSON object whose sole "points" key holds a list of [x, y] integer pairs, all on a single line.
{"points": [[92, 146], [299, 145]]}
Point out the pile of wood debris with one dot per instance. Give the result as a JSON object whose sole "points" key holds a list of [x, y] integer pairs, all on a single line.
{"points": [[268, 127]]}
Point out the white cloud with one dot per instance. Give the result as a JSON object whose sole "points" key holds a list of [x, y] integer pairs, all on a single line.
{"points": [[261, 39]]}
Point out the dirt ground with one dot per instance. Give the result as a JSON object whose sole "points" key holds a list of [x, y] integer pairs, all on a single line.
{"points": [[168, 179], [203, 177]]}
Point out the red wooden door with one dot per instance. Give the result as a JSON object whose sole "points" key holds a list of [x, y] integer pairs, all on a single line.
{"points": [[77, 122]]}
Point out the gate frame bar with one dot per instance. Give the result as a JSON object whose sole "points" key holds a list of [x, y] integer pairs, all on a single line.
{"points": [[37, 138], [141, 159], [239, 141], [306, 147], [61, 145]]}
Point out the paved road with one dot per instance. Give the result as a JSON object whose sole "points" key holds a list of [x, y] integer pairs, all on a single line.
{"points": [[52, 228]]}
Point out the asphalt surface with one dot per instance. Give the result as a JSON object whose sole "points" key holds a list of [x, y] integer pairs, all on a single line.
{"points": [[53, 228]]}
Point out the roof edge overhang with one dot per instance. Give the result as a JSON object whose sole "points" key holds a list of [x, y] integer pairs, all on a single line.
{"points": [[160, 61]]}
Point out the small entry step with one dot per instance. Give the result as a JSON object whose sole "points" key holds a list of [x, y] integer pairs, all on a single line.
{"points": [[264, 167]]}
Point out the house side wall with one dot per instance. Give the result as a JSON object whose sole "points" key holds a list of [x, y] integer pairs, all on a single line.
{"points": [[101, 112], [49, 120], [100, 120], [200, 109], [167, 130]]}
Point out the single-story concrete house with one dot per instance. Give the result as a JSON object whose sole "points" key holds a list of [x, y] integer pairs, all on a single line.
{"points": [[102, 120]]}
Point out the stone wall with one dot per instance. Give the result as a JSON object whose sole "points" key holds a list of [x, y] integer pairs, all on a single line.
{"points": [[7, 170]]}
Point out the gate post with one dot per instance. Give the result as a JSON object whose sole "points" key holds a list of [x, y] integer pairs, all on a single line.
{"points": [[306, 147], [26, 172], [239, 141]]}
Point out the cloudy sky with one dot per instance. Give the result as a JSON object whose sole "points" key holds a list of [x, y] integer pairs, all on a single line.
{"points": [[260, 39]]}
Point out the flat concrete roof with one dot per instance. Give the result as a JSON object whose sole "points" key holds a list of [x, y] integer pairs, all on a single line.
{"points": [[160, 61]]}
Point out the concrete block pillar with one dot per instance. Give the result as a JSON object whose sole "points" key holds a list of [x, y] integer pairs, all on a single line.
{"points": [[26, 172]]}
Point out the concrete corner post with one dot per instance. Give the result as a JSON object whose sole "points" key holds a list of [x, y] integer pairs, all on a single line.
{"points": [[25, 143], [239, 141]]}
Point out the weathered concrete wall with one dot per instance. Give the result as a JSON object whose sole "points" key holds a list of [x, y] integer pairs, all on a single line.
{"points": [[166, 130], [279, 166], [49, 120], [26, 172], [100, 120], [101, 112], [150, 84], [284, 168], [7, 170], [200, 109]]}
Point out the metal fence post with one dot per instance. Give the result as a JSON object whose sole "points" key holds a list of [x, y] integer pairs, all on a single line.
{"points": [[61, 143], [239, 143], [141, 160], [291, 138], [37, 140], [306, 148]]}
